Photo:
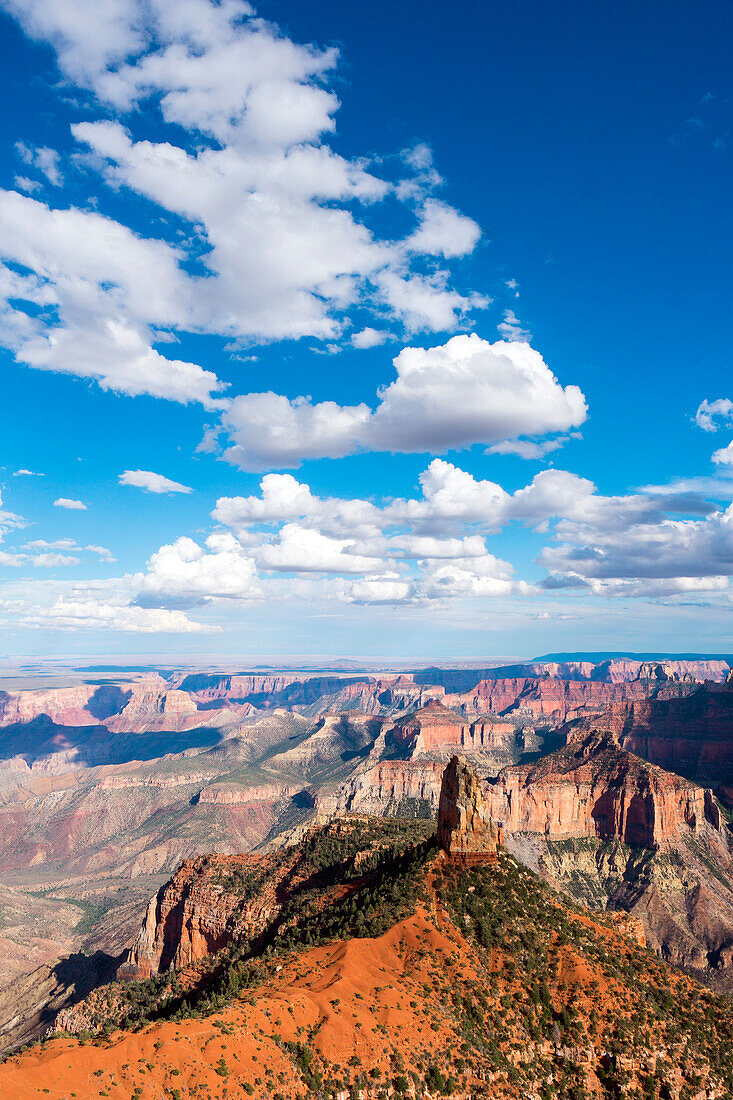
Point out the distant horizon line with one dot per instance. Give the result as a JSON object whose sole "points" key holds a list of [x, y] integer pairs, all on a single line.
{"points": [[134, 663]]}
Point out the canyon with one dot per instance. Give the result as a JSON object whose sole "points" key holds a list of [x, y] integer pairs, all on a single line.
{"points": [[609, 779], [368, 960]]}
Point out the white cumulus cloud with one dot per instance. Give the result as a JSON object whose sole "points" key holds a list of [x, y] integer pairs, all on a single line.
{"points": [[724, 455], [304, 550], [463, 392], [186, 570], [92, 614]]}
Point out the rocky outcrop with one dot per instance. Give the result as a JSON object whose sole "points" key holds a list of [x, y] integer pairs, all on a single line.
{"points": [[465, 828], [84, 705], [593, 788], [215, 900], [201, 909], [389, 787], [685, 728], [435, 727], [550, 701], [30, 1006], [156, 710]]}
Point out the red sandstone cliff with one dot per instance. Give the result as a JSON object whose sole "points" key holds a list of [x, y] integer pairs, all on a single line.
{"points": [[689, 733], [592, 788], [552, 699], [197, 912], [435, 727], [466, 830]]}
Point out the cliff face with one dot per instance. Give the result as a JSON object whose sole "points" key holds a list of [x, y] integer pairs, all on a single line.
{"points": [[592, 788], [85, 705], [552, 699], [689, 733], [465, 828], [202, 908], [215, 900], [435, 727], [616, 832]]}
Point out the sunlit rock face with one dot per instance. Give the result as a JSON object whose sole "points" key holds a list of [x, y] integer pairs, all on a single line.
{"points": [[593, 788], [465, 828]]}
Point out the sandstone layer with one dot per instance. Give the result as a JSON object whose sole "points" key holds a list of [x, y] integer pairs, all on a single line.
{"points": [[465, 828], [592, 788]]}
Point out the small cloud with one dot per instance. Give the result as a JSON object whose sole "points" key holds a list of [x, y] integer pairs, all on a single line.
{"points": [[72, 505], [210, 443], [44, 159], [14, 560], [57, 544], [152, 483], [29, 186], [511, 327], [558, 581], [53, 561], [419, 157], [368, 338], [102, 551], [712, 415], [724, 456], [525, 448], [27, 473]]}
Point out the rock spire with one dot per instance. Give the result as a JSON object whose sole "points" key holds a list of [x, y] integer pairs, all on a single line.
{"points": [[465, 828]]}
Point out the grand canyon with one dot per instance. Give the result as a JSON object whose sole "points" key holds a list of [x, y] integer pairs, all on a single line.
{"points": [[157, 824], [366, 550]]}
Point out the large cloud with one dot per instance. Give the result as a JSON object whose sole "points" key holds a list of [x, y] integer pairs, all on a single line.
{"points": [[95, 614], [108, 288], [632, 545], [463, 392], [185, 571], [451, 499], [678, 550], [303, 550], [276, 237]]}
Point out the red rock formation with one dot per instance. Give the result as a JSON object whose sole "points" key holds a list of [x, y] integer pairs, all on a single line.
{"points": [[73, 706], [465, 828], [435, 727], [613, 671], [684, 728], [556, 700], [196, 913], [592, 788]]}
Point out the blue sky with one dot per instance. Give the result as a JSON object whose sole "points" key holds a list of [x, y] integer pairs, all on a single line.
{"points": [[327, 334]]}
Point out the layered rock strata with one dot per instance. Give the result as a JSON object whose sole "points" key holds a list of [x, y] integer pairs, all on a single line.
{"points": [[689, 734], [593, 788], [465, 829], [195, 913]]}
